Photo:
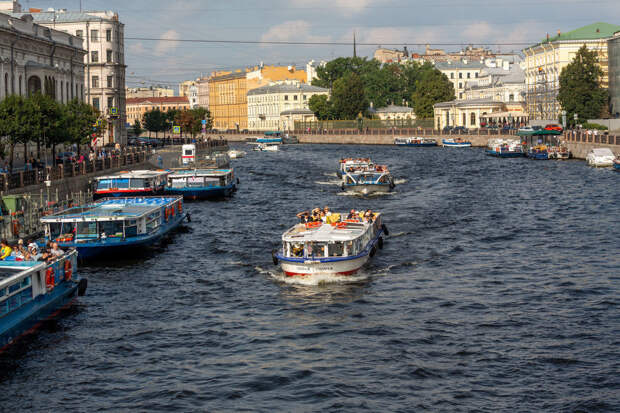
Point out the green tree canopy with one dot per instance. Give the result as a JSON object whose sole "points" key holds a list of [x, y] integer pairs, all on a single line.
{"points": [[50, 113], [348, 97], [137, 128], [321, 106], [80, 118], [19, 122], [155, 121], [432, 87], [580, 88], [338, 68]]}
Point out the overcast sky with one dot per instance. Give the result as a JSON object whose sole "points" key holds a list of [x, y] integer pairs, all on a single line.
{"points": [[375, 21]]}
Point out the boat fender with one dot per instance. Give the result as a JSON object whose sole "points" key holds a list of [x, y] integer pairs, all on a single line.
{"points": [[238, 181], [274, 258], [82, 284], [380, 242], [342, 186], [68, 270], [373, 251], [49, 279], [189, 218], [384, 228]]}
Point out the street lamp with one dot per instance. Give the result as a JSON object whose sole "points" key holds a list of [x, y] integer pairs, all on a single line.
{"points": [[563, 119]]}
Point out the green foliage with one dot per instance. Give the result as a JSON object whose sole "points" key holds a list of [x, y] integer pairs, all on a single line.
{"points": [[338, 68], [432, 87], [348, 97], [80, 118], [580, 89], [19, 122], [321, 107], [596, 126], [156, 121]]}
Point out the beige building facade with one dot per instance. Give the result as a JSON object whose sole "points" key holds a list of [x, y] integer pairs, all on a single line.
{"points": [[544, 63], [137, 107], [148, 92]]}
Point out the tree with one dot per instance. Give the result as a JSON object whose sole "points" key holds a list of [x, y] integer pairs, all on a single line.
{"points": [[186, 121], [19, 121], [580, 88], [338, 68], [49, 113], [155, 121], [321, 107], [137, 128], [432, 87], [348, 97], [80, 118]]}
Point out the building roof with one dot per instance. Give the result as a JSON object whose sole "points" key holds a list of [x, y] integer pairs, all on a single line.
{"points": [[229, 76], [68, 16], [297, 112], [158, 100], [286, 88], [460, 64], [465, 103], [590, 32], [394, 109]]}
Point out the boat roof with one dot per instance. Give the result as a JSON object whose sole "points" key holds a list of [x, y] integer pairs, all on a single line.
{"points": [[602, 152], [112, 209], [199, 172], [135, 174], [326, 232]]}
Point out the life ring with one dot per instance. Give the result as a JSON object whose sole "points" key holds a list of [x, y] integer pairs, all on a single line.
{"points": [[341, 225], [16, 227], [180, 207], [313, 224], [68, 270], [166, 213], [49, 279]]}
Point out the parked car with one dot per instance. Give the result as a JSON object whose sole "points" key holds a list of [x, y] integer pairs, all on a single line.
{"points": [[554, 126], [460, 130], [64, 157], [447, 129]]}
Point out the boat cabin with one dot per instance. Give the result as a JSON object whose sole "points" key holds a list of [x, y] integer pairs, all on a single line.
{"points": [[200, 178], [135, 182], [341, 239], [188, 154], [111, 219]]}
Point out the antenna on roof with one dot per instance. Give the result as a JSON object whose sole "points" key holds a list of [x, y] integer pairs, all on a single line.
{"points": [[80, 6]]}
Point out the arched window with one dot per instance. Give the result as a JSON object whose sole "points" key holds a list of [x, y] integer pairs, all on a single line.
{"points": [[511, 98], [473, 119], [464, 119]]}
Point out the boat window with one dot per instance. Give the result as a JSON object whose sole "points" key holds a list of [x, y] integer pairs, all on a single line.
{"points": [[189, 152], [316, 249], [111, 229], [195, 181], [297, 249], [212, 181], [336, 249], [87, 230], [139, 183], [178, 182], [121, 183], [55, 229], [131, 230], [104, 183]]}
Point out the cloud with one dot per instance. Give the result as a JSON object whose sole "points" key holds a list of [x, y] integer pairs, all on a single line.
{"points": [[293, 31], [344, 7], [165, 45]]}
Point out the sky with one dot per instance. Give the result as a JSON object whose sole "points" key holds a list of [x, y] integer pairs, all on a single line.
{"points": [[511, 24]]}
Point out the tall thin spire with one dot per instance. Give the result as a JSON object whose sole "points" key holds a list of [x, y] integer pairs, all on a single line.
{"points": [[354, 45]]}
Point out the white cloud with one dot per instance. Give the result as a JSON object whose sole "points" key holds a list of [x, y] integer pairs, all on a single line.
{"points": [[166, 45], [293, 31], [344, 7]]}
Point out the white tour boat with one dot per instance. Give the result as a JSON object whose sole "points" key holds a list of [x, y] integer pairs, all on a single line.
{"points": [[235, 154], [415, 141], [455, 143], [337, 248], [369, 180], [261, 147], [600, 157], [353, 164]]}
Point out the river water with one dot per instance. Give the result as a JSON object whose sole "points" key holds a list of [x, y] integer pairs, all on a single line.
{"points": [[496, 290]]}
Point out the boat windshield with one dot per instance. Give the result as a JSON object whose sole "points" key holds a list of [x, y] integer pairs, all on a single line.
{"points": [[111, 229], [120, 183], [139, 183]]}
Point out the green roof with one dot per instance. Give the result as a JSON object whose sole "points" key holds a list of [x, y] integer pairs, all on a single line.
{"points": [[590, 32]]}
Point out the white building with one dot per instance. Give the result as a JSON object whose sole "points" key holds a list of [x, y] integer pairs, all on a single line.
{"points": [[104, 71], [148, 92], [460, 72], [311, 70], [203, 92], [35, 58], [266, 104]]}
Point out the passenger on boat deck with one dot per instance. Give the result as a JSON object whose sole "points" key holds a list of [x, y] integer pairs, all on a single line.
{"points": [[56, 251], [326, 211], [304, 217], [353, 215], [5, 250], [33, 250]]}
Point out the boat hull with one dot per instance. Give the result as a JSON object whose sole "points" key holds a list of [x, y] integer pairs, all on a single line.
{"points": [[538, 156], [367, 189], [617, 166], [504, 154], [269, 140], [203, 193], [115, 246], [124, 194], [27, 318], [456, 144], [417, 144]]}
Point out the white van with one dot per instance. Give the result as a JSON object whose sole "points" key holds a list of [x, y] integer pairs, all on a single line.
{"points": [[188, 154]]}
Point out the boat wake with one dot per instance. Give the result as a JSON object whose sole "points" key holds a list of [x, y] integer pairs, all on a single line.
{"points": [[332, 174], [399, 181], [314, 280], [338, 183], [374, 194]]}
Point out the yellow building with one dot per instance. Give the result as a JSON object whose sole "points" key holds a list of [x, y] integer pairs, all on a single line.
{"points": [[228, 101], [137, 107], [544, 63]]}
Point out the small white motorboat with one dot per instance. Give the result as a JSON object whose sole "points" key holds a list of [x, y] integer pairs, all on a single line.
{"points": [[235, 154], [340, 247], [264, 147], [368, 180], [600, 157], [455, 143]]}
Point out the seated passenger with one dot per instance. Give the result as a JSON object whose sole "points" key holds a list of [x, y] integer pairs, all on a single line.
{"points": [[56, 251], [352, 215], [33, 251], [5, 250]]}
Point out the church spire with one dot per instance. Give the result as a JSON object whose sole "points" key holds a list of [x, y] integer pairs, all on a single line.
{"points": [[354, 45]]}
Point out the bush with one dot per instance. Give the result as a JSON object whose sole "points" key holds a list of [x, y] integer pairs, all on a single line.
{"points": [[596, 126]]}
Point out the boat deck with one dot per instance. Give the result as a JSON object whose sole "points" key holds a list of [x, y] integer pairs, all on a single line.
{"points": [[134, 174], [112, 208], [326, 232], [200, 172]]}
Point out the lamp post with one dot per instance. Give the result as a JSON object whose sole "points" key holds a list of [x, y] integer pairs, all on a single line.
{"points": [[563, 119]]}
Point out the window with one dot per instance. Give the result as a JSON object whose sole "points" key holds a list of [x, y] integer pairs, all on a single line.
{"points": [[472, 119], [95, 82], [460, 96], [285, 97], [305, 97], [94, 56], [511, 98], [460, 85], [108, 56], [79, 33], [476, 75], [295, 97], [110, 82], [94, 35], [464, 119], [452, 75], [110, 101], [96, 103], [108, 35], [468, 75]]}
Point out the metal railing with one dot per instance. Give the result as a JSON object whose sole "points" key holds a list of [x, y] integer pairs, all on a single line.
{"points": [[591, 137]]}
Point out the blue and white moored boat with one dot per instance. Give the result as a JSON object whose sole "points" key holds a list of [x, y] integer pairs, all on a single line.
{"points": [[538, 152], [504, 148], [415, 141], [202, 183], [455, 143], [114, 225], [134, 183], [339, 248], [368, 180], [270, 137], [33, 291]]}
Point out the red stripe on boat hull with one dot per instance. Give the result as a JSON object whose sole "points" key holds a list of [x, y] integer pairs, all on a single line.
{"points": [[301, 274]]}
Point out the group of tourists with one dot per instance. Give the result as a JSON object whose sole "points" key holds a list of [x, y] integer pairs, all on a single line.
{"points": [[32, 252], [325, 216]]}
